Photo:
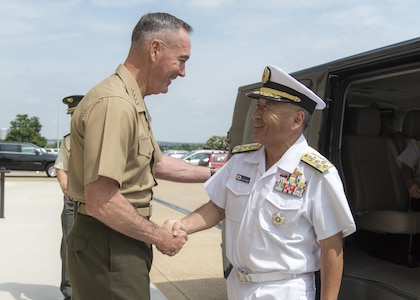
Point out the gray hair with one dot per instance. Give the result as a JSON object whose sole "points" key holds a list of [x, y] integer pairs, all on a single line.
{"points": [[295, 108], [161, 24]]}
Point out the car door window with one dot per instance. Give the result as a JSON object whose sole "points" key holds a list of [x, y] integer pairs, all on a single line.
{"points": [[27, 149], [10, 148]]}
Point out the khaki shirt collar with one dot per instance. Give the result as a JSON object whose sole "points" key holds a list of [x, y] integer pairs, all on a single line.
{"points": [[133, 89]]}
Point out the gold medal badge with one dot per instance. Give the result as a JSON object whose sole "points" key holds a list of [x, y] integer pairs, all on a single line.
{"points": [[266, 75], [278, 219]]}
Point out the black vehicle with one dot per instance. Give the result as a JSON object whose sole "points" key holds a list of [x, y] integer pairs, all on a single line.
{"points": [[371, 100], [26, 157]]}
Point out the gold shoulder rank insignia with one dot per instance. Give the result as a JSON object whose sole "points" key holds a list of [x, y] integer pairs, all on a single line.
{"points": [[316, 161], [246, 148]]}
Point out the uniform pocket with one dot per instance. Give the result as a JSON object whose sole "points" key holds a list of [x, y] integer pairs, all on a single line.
{"points": [[145, 147], [280, 212], [237, 199]]}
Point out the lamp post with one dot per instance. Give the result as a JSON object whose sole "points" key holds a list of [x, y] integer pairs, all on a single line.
{"points": [[58, 125], [2, 172]]}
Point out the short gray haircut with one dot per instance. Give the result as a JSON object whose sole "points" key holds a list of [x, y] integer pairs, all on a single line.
{"points": [[157, 24], [295, 108]]}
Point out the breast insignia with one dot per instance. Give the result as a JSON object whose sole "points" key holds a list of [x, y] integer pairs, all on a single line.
{"points": [[317, 162], [246, 148]]}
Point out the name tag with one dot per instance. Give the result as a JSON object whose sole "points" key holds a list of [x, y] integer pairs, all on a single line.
{"points": [[242, 178]]}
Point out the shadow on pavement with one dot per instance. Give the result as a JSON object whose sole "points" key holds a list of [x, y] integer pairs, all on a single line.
{"points": [[203, 289], [22, 291]]}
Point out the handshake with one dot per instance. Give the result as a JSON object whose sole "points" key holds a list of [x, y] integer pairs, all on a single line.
{"points": [[174, 237], [175, 232]]}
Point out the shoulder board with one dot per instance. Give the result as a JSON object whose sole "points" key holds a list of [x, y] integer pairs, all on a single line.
{"points": [[317, 162], [66, 143], [246, 148]]}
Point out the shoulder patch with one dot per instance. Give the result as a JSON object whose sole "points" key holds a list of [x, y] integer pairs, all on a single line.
{"points": [[246, 148], [317, 162]]}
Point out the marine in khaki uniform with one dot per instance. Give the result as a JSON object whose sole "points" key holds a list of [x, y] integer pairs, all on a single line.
{"points": [[113, 165], [67, 215]]}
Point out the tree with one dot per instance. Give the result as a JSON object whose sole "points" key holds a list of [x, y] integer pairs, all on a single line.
{"points": [[217, 143], [24, 129]]}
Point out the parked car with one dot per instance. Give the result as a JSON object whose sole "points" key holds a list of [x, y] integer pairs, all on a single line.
{"points": [[200, 157], [26, 157], [52, 150], [218, 160], [175, 153], [371, 98]]}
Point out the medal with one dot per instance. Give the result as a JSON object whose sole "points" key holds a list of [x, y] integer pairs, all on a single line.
{"points": [[294, 184], [278, 219]]}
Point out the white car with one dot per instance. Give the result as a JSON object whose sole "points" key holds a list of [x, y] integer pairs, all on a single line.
{"points": [[200, 157], [175, 153]]}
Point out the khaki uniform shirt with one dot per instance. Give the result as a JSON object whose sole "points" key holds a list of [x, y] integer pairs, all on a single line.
{"points": [[111, 136], [62, 160]]}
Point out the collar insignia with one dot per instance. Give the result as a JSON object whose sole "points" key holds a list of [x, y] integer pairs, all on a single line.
{"points": [[133, 93]]}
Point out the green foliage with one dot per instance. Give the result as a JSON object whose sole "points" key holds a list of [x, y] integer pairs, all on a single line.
{"points": [[51, 145], [217, 143], [177, 146], [24, 129]]}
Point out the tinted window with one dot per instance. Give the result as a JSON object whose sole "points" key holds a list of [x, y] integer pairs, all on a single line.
{"points": [[10, 148], [200, 156], [218, 157], [28, 149]]}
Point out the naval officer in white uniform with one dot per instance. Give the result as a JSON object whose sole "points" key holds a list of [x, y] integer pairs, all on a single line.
{"points": [[284, 204]]}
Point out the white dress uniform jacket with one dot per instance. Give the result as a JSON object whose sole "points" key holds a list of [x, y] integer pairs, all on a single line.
{"points": [[275, 219]]}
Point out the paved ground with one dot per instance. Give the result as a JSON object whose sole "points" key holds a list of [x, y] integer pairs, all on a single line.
{"points": [[196, 272], [30, 235]]}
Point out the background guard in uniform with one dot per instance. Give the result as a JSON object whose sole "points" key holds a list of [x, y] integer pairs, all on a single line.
{"points": [[68, 213]]}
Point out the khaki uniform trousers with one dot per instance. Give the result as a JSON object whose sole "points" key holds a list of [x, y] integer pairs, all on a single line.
{"points": [[104, 264]]}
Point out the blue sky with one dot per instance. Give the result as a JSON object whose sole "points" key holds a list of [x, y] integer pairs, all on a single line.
{"points": [[51, 49]]}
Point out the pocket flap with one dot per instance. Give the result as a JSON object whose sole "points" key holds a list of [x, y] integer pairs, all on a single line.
{"points": [[145, 146], [284, 202], [238, 188]]}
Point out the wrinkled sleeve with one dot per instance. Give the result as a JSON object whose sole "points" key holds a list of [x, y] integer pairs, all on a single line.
{"points": [[331, 212], [409, 156], [61, 161], [216, 185], [109, 130]]}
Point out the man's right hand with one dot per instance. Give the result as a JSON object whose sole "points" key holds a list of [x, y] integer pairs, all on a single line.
{"points": [[172, 244]]}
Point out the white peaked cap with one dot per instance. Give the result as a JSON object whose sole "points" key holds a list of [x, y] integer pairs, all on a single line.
{"points": [[280, 86]]}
